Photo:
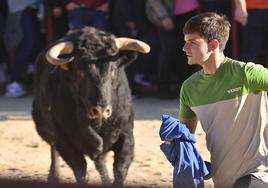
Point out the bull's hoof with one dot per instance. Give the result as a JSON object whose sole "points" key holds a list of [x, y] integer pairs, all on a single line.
{"points": [[82, 181], [106, 182], [118, 184], [53, 179]]}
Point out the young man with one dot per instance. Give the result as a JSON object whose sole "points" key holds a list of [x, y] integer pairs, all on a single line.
{"points": [[229, 98]]}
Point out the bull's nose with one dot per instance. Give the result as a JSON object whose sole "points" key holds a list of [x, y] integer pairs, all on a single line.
{"points": [[101, 112]]}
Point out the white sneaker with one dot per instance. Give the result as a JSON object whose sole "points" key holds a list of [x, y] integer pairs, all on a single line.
{"points": [[139, 78], [14, 89]]}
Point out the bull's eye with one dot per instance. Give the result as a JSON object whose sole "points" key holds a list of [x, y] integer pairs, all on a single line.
{"points": [[113, 73]]}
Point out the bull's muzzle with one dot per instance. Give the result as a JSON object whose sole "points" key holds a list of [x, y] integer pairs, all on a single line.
{"points": [[100, 112]]}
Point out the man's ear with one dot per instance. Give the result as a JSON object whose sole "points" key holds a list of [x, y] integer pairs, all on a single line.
{"points": [[214, 44]]}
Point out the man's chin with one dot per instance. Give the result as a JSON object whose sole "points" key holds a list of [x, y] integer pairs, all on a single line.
{"points": [[190, 62]]}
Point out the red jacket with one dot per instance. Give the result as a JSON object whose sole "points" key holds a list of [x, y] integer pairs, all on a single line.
{"points": [[87, 3]]}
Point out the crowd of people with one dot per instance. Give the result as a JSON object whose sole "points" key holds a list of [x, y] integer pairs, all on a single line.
{"points": [[27, 26]]}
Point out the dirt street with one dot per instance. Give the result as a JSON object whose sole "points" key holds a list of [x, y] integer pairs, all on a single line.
{"points": [[23, 154]]}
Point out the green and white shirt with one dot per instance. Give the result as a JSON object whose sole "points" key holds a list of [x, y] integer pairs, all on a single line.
{"points": [[232, 108]]}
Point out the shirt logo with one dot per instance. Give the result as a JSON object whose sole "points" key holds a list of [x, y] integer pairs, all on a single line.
{"points": [[234, 90]]}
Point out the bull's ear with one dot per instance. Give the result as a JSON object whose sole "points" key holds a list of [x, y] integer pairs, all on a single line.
{"points": [[126, 57]]}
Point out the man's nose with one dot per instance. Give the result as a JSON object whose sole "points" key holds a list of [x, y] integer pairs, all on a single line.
{"points": [[184, 48]]}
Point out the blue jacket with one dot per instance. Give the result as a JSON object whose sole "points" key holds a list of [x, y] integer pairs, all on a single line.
{"points": [[189, 167]]}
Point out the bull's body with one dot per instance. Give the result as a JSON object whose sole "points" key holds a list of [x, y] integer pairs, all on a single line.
{"points": [[84, 107]]}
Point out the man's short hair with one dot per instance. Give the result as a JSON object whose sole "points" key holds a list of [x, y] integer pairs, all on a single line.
{"points": [[209, 25]]}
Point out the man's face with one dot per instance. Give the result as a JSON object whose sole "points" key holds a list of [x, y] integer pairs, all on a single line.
{"points": [[196, 48]]}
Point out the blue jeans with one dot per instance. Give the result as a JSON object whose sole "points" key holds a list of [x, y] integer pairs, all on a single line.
{"points": [[254, 36], [84, 16], [25, 50]]}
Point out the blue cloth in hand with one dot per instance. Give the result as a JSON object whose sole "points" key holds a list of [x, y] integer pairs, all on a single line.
{"points": [[189, 167]]}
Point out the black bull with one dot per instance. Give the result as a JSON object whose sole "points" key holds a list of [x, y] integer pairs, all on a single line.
{"points": [[82, 103]]}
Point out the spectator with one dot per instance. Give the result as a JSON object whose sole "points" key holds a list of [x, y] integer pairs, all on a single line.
{"points": [[219, 6], [123, 24], [253, 17], [57, 20], [146, 32], [3, 54], [160, 13], [128, 19], [182, 11], [20, 39], [87, 13], [169, 16]]}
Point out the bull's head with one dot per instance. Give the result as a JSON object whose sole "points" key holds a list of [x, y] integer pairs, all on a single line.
{"points": [[94, 60]]}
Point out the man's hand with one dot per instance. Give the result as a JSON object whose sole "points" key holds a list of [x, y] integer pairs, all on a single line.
{"points": [[104, 7], [167, 23], [167, 142], [57, 11], [71, 6], [190, 123], [241, 13]]}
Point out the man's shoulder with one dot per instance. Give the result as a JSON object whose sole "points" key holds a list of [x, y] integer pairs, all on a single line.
{"points": [[196, 76], [246, 67], [190, 83], [230, 68], [234, 63]]}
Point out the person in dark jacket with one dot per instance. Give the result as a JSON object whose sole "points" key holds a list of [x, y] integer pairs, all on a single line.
{"points": [[87, 13]]}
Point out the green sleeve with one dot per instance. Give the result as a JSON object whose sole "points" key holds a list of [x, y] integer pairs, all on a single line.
{"points": [[185, 110], [257, 77]]}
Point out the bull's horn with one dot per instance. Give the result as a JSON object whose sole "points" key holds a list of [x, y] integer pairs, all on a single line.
{"points": [[123, 43], [61, 48]]}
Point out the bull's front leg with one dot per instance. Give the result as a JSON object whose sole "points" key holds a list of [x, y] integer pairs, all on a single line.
{"points": [[95, 143], [123, 156], [54, 166], [76, 161], [91, 141], [102, 169]]}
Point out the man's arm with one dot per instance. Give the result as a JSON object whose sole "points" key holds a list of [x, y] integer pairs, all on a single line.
{"points": [[257, 77], [241, 14], [186, 115], [161, 13], [190, 123]]}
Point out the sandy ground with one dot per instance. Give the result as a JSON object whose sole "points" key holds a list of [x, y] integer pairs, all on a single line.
{"points": [[24, 156]]}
